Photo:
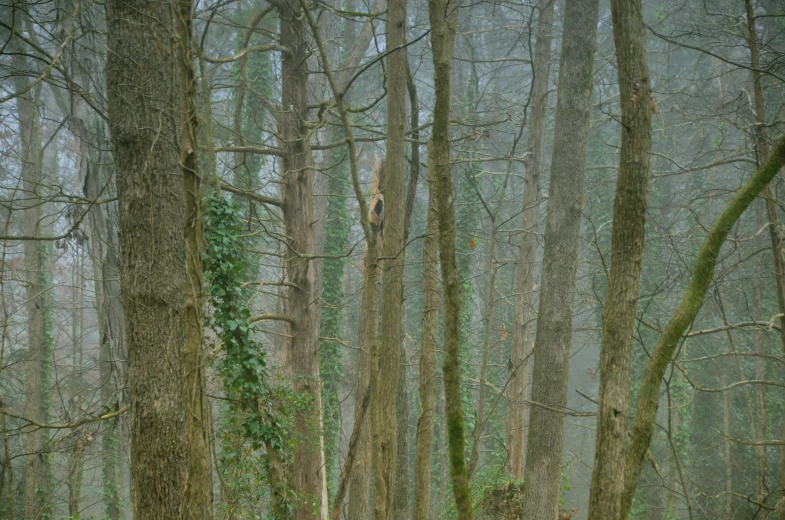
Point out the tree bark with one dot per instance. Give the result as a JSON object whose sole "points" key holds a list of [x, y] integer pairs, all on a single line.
{"points": [[702, 273], [560, 261], [143, 118], [629, 212], [386, 360], [31, 154], [428, 356], [199, 485], [443, 16], [524, 314], [775, 234], [307, 478]]}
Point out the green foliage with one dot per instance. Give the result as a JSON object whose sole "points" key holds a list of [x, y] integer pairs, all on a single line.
{"points": [[335, 246], [249, 413], [242, 367]]}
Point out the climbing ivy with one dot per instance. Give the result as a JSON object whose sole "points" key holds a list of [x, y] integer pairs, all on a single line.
{"points": [[243, 364]]}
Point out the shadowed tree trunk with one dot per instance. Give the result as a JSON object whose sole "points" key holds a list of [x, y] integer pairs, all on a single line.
{"points": [[560, 261], [629, 211], [524, 315]]}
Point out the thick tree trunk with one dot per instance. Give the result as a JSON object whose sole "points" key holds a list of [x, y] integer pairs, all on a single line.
{"points": [[386, 360], [143, 118], [307, 478], [524, 314], [428, 356], [443, 16], [629, 212], [702, 273], [560, 261]]}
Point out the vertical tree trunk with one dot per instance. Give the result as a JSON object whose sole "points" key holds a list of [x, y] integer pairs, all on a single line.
{"points": [[143, 118], [298, 219], [360, 481], [524, 313], [443, 16], [560, 261], [401, 485], [386, 360], [428, 357], [95, 177], [199, 485], [629, 211], [775, 234], [36, 488]]}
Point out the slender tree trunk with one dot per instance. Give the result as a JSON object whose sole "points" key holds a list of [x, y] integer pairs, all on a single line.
{"points": [[775, 234], [629, 212], [443, 15], [648, 397], [757, 412], [360, 481], [95, 177], [401, 488], [560, 261], [199, 484], [143, 118], [490, 308], [524, 314], [386, 360], [32, 177], [727, 455], [428, 357]]}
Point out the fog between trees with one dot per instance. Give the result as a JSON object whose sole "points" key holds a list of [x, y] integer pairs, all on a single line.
{"points": [[392, 260]]}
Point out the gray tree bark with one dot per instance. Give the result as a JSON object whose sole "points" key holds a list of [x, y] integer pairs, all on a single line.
{"points": [[560, 261]]}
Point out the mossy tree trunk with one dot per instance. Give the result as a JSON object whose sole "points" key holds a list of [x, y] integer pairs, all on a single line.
{"points": [[629, 211], [702, 273]]}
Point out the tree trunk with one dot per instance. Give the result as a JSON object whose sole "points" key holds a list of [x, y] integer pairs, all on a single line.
{"points": [[199, 485], [95, 177], [702, 273], [775, 234], [443, 17], [629, 212], [36, 474], [524, 314], [143, 118], [560, 261], [307, 478], [386, 360], [428, 357], [360, 481]]}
